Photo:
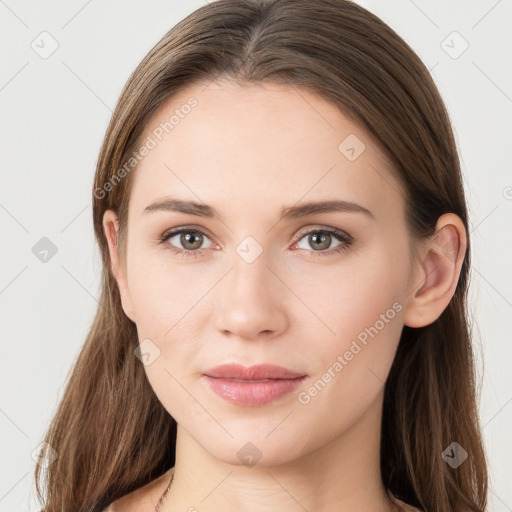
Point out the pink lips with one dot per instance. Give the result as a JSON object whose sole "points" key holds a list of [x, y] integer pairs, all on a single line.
{"points": [[253, 386]]}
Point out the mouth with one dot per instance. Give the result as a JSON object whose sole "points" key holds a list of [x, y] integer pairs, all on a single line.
{"points": [[246, 380], [252, 387], [257, 373]]}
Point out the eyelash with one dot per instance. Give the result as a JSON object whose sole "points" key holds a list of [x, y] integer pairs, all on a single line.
{"points": [[339, 235]]}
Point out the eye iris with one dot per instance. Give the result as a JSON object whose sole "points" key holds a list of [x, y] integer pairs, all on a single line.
{"points": [[322, 238], [187, 237]]}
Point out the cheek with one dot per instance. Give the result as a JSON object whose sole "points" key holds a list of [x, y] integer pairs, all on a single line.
{"points": [[352, 298], [161, 296], [350, 367], [361, 312]]}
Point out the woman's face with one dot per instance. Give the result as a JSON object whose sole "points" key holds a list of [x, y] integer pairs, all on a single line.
{"points": [[321, 292]]}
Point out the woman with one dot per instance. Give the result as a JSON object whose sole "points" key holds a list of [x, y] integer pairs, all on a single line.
{"points": [[279, 207]]}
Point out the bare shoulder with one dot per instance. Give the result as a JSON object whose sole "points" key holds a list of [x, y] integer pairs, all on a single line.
{"points": [[143, 499]]}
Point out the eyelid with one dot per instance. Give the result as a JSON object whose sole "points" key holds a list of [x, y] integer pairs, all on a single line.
{"points": [[317, 227]]}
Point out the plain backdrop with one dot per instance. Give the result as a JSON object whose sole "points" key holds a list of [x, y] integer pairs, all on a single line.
{"points": [[55, 109]]}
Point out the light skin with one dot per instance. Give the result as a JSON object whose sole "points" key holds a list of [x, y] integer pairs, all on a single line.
{"points": [[250, 150]]}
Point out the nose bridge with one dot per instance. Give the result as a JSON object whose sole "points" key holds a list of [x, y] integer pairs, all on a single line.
{"points": [[250, 263], [249, 301]]}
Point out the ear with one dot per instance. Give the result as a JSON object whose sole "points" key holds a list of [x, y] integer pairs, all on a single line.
{"points": [[111, 229], [437, 276]]}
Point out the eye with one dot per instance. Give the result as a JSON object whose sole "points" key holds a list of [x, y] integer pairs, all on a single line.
{"points": [[190, 240], [321, 239]]}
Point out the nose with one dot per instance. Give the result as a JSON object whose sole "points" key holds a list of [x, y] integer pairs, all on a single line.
{"points": [[251, 301]]}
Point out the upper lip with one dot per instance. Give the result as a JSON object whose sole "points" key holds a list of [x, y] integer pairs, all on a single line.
{"points": [[257, 372]]}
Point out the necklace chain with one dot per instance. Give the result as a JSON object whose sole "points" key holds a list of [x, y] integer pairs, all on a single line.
{"points": [[157, 508]]}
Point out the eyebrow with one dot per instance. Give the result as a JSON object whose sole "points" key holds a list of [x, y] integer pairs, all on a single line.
{"points": [[172, 204]]}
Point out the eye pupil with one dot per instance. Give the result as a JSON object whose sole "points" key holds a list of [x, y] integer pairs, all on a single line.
{"points": [[187, 237], [322, 238]]}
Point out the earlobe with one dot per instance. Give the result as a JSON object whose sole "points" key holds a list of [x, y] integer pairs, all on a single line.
{"points": [[438, 273], [111, 230]]}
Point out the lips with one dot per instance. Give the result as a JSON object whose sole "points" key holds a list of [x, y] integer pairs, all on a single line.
{"points": [[260, 373], [254, 386]]}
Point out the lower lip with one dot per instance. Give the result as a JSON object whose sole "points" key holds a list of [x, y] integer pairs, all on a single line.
{"points": [[253, 394]]}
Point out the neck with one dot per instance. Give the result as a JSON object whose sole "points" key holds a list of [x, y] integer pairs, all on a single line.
{"points": [[342, 475]]}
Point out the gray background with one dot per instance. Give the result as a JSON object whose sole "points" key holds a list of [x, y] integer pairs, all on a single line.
{"points": [[54, 114]]}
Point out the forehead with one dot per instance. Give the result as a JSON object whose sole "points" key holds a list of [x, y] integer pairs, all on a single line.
{"points": [[253, 146]]}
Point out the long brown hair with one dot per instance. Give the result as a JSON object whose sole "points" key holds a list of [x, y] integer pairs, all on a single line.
{"points": [[111, 433]]}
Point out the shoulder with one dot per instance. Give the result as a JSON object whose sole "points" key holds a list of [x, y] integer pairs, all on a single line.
{"points": [[143, 499]]}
